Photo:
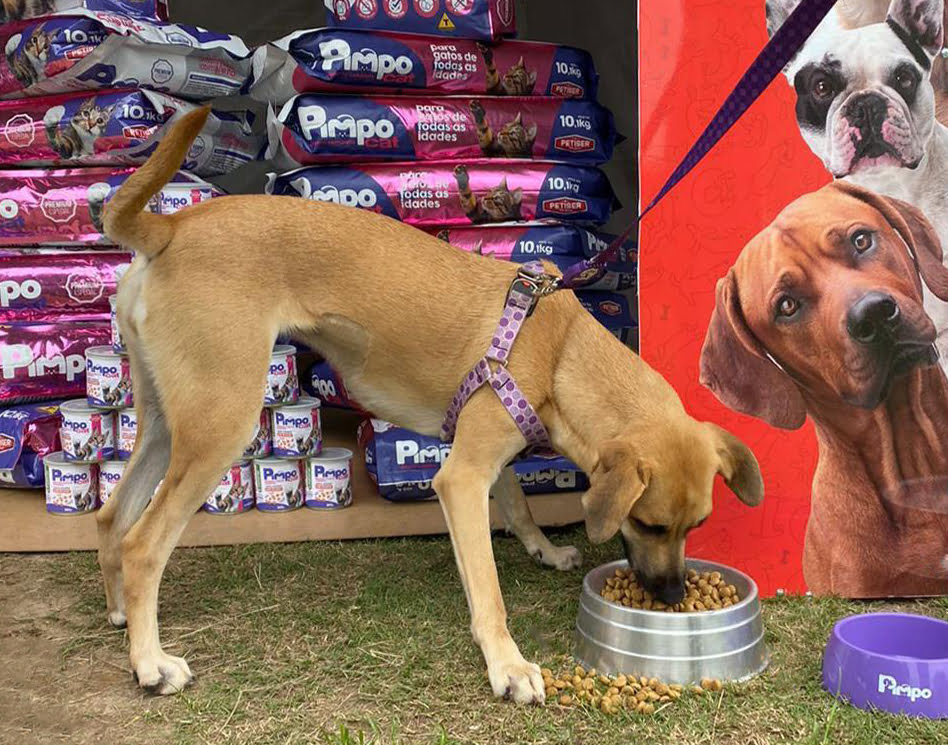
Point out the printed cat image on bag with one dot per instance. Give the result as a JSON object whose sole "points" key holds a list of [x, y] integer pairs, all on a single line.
{"points": [[76, 137], [517, 81], [513, 140], [28, 62], [500, 204]]}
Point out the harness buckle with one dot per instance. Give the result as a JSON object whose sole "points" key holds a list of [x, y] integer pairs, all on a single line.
{"points": [[534, 284]]}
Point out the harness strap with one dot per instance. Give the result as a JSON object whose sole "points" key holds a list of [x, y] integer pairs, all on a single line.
{"points": [[523, 294]]}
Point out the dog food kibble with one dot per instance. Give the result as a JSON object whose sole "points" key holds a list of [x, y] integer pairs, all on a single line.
{"points": [[703, 592], [610, 695]]}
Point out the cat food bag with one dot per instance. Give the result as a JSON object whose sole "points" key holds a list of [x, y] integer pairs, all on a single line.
{"points": [[114, 128], [27, 434], [42, 287], [402, 463], [57, 207], [613, 311], [475, 19], [564, 245], [47, 360], [87, 50], [334, 60], [314, 129], [448, 194], [17, 10]]}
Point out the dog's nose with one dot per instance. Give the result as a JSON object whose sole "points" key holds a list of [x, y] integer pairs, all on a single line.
{"points": [[872, 317], [867, 112], [671, 592]]}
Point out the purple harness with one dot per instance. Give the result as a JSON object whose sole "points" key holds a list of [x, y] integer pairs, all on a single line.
{"points": [[531, 284]]}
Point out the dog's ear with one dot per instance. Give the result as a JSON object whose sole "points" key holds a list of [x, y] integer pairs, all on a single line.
{"points": [[738, 466], [914, 228], [923, 20], [735, 368], [616, 483], [922, 239]]}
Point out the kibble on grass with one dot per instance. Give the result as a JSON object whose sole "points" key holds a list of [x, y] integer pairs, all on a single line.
{"points": [[704, 591], [610, 695]]}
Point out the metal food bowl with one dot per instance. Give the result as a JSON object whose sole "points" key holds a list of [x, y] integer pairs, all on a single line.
{"points": [[726, 644]]}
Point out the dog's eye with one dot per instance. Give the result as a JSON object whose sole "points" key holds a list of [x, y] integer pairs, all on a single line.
{"points": [[905, 80], [787, 306], [822, 87], [650, 529], [862, 240]]}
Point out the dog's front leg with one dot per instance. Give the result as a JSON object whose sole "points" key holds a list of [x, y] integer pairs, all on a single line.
{"points": [[462, 485], [518, 520]]}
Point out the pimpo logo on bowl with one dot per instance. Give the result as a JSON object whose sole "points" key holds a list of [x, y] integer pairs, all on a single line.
{"points": [[84, 288], [58, 206], [19, 130]]}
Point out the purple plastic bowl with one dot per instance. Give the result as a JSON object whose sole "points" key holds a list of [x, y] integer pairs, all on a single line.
{"points": [[895, 662]]}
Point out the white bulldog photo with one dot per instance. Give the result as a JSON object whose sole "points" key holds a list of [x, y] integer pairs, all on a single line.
{"points": [[866, 107]]}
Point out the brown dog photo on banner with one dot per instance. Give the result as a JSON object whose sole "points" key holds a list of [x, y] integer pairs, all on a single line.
{"points": [[822, 316]]}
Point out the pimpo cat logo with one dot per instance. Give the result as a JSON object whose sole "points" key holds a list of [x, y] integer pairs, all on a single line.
{"points": [[58, 206], [84, 288], [19, 130], [395, 8]]}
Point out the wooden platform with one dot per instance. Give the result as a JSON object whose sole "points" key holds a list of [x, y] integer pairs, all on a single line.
{"points": [[26, 526]]}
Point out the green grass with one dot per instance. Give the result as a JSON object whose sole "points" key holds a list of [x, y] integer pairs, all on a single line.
{"points": [[368, 642]]}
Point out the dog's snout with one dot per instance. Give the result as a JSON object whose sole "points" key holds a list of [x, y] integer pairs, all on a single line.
{"points": [[867, 112], [872, 317], [671, 591]]}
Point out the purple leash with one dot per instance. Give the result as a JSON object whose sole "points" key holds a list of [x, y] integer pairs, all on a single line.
{"points": [[781, 48], [532, 282]]}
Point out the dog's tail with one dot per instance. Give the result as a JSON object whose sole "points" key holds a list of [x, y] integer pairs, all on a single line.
{"points": [[124, 220]]}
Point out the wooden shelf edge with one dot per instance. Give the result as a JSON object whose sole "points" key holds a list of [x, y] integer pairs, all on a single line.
{"points": [[25, 525]]}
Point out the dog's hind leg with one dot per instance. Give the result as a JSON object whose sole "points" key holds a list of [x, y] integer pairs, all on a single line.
{"points": [[202, 448], [462, 485], [518, 520], [147, 466]]}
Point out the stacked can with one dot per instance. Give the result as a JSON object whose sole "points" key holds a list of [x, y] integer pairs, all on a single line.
{"points": [[299, 472]]}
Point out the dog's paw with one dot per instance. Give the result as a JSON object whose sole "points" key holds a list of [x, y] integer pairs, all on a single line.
{"points": [[519, 682], [117, 619], [163, 675], [563, 558]]}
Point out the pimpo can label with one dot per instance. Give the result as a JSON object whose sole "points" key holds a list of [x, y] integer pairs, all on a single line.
{"points": [[108, 380], [261, 444], [86, 433], [283, 385], [296, 429], [328, 479], [278, 484], [126, 429], [118, 344], [234, 493], [71, 488], [109, 474]]}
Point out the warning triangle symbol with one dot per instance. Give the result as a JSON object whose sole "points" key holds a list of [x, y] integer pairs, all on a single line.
{"points": [[445, 24]]}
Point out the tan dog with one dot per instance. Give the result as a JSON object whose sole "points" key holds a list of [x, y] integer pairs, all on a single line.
{"points": [[403, 317], [822, 315]]}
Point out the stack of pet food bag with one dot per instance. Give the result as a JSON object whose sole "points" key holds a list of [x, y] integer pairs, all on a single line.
{"points": [[87, 92], [429, 115]]}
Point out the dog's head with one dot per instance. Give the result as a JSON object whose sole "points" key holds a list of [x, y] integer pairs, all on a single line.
{"points": [[655, 488], [864, 96], [825, 303]]}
